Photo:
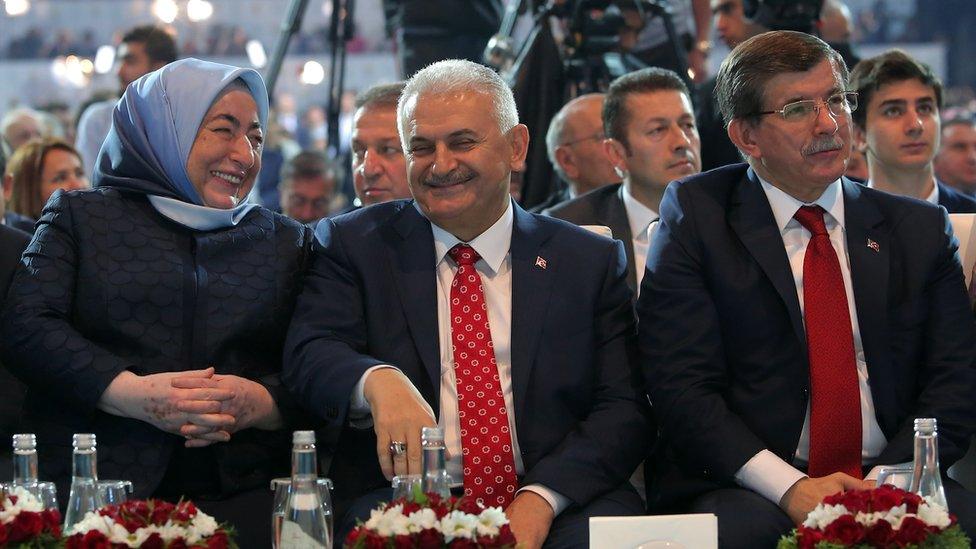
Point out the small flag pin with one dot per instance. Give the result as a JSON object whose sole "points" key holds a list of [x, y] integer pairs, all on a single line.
{"points": [[874, 245], [539, 262]]}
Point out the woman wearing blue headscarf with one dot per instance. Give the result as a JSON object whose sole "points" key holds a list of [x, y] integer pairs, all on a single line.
{"points": [[151, 309]]}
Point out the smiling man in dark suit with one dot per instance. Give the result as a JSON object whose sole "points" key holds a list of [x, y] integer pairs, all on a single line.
{"points": [[419, 313], [793, 324]]}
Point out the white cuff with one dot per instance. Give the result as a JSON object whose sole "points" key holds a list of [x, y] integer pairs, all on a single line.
{"points": [[557, 501], [768, 475], [360, 414]]}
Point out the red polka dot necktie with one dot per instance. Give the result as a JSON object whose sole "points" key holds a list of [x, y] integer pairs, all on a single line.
{"points": [[486, 441], [835, 399]]}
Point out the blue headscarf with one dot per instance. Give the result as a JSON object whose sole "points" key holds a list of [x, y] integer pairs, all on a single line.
{"points": [[155, 123]]}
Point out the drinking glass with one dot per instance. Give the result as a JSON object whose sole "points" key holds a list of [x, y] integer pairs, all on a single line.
{"points": [[282, 488], [899, 477], [42, 490], [405, 486], [114, 492]]}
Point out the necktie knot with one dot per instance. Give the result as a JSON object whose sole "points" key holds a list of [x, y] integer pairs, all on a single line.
{"points": [[812, 218], [462, 254]]}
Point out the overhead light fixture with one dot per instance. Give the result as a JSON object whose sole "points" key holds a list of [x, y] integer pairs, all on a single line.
{"points": [[165, 10], [199, 10], [16, 7], [104, 59], [255, 53], [312, 73]]}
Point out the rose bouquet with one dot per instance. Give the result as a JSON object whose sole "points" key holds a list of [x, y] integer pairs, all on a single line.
{"points": [[24, 523], [149, 524], [882, 518], [427, 521]]}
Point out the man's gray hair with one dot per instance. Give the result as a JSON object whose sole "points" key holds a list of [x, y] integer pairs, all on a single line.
{"points": [[16, 114], [554, 136], [458, 75]]}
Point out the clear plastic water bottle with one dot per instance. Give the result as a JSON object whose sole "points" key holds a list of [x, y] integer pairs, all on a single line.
{"points": [[84, 495], [25, 460], [304, 524], [434, 462], [926, 480]]}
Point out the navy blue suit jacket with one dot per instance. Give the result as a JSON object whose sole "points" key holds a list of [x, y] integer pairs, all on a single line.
{"points": [[370, 299], [722, 340], [955, 201]]}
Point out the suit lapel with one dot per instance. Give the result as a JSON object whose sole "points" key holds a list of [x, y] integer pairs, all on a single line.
{"points": [[620, 226], [752, 220], [412, 268], [531, 288], [868, 248]]}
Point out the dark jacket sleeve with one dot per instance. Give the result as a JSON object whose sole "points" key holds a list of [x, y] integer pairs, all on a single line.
{"points": [[324, 354], [41, 346]]}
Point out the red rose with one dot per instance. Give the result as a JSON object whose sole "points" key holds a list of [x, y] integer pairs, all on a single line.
{"points": [[463, 544], [354, 535], [25, 526], [374, 541], [218, 540], [410, 507], [159, 515], [844, 530], [886, 497], [470, 506], [505, 535], [429, 539], [911, 531], [808, 538], [402, 541], [154, 541], [92, 539], [880, 534], [3, 535]]}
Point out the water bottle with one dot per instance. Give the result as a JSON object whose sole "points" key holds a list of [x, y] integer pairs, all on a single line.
{"points": [[25, 460], [926, 480], [304, 524], [434, 460], [84, 495]]}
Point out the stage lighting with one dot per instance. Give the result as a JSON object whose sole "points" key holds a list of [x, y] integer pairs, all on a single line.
{"points": [[198, 10], [312, 73], [165, 10], [16, 7], [255, 53], [104, 59]]}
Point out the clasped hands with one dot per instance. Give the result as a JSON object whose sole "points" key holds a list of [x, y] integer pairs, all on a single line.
{"points": [[199, 405]]}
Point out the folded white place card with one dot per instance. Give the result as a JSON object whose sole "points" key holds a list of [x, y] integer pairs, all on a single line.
{"points": [[698, 531]]}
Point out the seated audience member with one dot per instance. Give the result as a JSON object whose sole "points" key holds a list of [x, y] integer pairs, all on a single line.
{"points": [[34, 172], [156, 304], [20, 126], [379, 172], [574, 144], [307, 187], [143, 49], [955, 163], [373, 349], [652, 140], [792, 323], [898, 128]]}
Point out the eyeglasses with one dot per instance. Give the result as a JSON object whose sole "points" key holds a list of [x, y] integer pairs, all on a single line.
{"points": [[839, 104], [595, 137]]}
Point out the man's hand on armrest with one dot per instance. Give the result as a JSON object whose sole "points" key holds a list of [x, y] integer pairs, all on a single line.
{"points": [[399, 413], [807, 492]]}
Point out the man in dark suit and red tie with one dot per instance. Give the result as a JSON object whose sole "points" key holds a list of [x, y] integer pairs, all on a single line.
{"points": [[422, 312], [793, 324]]}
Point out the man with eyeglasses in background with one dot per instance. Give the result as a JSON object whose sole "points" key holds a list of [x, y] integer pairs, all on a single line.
{"points": [[307, 187], [651, 140], [898, 129], [574, 144], [793, 323]]}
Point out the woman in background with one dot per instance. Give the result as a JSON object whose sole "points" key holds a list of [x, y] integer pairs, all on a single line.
{"points": [[153, 307], [35, 170]]}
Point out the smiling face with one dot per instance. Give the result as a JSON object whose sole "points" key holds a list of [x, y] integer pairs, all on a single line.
{"points": [[801, 157], [62, 170], [226, 154], [378, 167], [901, 126], [459, 163], [662, 139]]}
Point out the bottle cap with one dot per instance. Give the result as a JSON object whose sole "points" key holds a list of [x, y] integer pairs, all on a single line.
{"points": [[83, 441], [926, 425], [303, 437], [25, 441], [433, 434]]}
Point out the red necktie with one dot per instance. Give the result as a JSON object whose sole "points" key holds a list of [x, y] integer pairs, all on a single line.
{"points": [[486, 441], [835, 399]]}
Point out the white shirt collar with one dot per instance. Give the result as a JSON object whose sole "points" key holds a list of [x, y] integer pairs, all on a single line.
{"points": [[638, 215], [932, 198], [492, 245], [785, 206]]}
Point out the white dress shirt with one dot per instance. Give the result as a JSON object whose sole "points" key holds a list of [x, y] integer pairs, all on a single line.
{"points": [[93, 128], [639, 217], [766, 473], [495, 268]]}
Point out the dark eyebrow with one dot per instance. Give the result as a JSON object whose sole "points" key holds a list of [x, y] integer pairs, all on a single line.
{"points": [[895, 102]]}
